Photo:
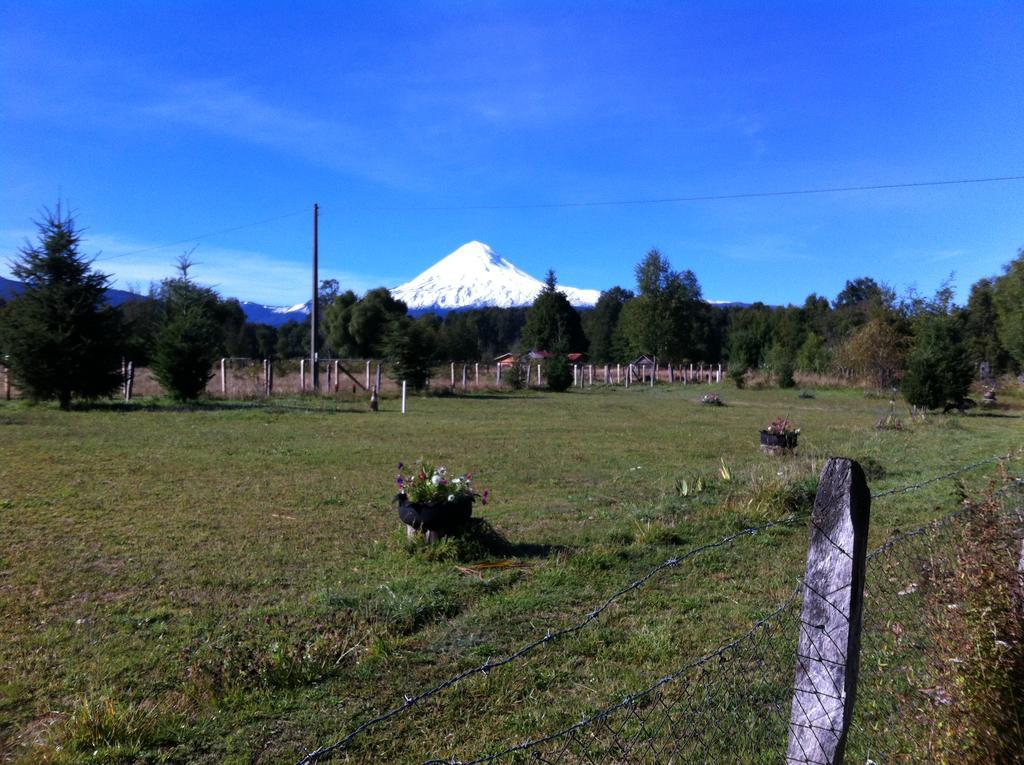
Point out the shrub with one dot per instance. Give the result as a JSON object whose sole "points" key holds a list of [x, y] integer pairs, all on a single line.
{"points": [[737, 373], [516, 376], [558, 373]]}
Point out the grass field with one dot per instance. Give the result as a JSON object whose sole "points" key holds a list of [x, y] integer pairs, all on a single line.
{"points": [[229, 583]]}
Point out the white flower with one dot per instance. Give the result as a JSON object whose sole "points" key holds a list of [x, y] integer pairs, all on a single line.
{"points": [[451, 497], [442, 471], [436, 479]]}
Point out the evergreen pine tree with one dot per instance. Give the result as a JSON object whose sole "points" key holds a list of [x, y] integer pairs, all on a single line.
{"points": [[938, 370], [61, 339], [190, 338]]}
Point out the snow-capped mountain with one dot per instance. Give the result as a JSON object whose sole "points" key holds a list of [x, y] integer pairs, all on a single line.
{"points": [[475, 276], [275, 316]]}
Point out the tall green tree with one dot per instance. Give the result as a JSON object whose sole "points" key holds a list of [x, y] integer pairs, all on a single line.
{"points": [[601, 324], [191, 336], [61, 339], [938, 370], [981, 331], [552, 324], [359, 328], [409, 348], [1008, 297], [669, 317]]}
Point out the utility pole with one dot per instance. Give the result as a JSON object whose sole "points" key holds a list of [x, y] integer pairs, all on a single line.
{"points": [[314, 313]]}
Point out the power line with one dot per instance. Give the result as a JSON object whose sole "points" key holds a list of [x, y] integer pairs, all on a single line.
{"points": [[203, 236], [699, 198], [595, 203]]}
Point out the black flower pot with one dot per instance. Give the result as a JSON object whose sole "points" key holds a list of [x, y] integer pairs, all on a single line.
{"points": [[440, 517], [778, 440]]}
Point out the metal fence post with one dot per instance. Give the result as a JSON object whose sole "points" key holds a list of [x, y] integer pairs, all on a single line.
{"points": [[828, 652]]}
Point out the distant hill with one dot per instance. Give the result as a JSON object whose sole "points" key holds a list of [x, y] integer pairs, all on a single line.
{"points": [[9, 288]]}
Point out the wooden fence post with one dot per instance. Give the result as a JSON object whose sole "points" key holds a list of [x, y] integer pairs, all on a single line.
{"points": [[337, 380], [223, 377], [476, 373], [497, 375], [302, 375], [403, 396], [129, 380], [538, 375], [828, 652], [7, 383]]}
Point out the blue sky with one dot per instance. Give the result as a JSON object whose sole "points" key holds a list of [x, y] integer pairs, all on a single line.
{"points": [[160, 122]]}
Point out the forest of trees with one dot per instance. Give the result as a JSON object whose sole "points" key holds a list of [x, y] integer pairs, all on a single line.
{"points": [[867, 333]]}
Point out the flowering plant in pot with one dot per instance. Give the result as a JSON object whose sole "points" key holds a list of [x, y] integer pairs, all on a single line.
{"points": [[434, 501], [779, 435]]}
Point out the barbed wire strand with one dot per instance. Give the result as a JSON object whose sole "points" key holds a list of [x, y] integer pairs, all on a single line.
{"points": [[549, 637], [552, 635], [632, 699], [943, 477], [635, 697]]}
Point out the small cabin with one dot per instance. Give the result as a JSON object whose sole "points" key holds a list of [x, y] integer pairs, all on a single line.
{"points": [[505, 360], [643, 367]]}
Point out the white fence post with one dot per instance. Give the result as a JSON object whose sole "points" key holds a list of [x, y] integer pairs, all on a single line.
{"points": [[828, 652], [403, 396]]}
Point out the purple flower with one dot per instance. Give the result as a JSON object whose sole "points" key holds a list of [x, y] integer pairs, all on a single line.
{"points": [[486, 494], [401, 465], [401, 482]]}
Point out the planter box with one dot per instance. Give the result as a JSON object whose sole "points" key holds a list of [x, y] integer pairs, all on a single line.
{"points": [[434, 519], [776, 442]]}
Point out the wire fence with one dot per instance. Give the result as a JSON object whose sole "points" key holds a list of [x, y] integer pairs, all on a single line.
{"points": [[737, 702]]}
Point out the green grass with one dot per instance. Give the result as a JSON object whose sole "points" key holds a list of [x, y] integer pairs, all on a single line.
{"points": [[229, 583]]}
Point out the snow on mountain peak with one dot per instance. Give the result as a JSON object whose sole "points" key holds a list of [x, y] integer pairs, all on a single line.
{"points": [[474, 276]]}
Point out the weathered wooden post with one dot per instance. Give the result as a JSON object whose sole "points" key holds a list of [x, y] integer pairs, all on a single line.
{"points": [[7, 383], [302, 375], [129, 380], [574, 373], [529, 369], [828, 651], [590, 376], [337, 377], [379, 375], [618, 374], [719, 375], [538, 375], [476, 373], [223, 377], [606, 370], [497, 375], [367, 386], [464, 383], [403, 396]]}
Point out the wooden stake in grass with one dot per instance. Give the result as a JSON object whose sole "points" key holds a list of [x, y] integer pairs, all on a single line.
{"points": [[403, 396], [7, 384], [828, 651], [302, 375], [223, 377]]}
